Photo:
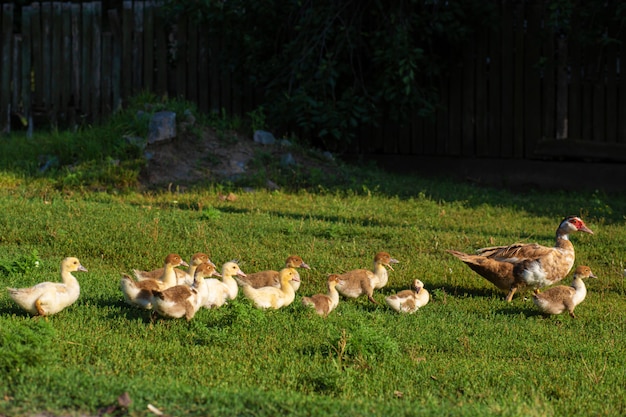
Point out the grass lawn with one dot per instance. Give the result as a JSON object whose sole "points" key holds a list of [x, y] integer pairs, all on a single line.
{"points": [[467, 352]]}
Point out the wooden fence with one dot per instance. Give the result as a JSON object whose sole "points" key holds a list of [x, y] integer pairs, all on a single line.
{"points": [[519, 92]]}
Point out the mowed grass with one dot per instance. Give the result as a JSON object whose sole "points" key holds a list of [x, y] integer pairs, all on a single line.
{"points": [[467, 352]]}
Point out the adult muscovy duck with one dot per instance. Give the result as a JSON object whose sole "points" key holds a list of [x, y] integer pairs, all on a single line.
{"points": [[519, 265]]}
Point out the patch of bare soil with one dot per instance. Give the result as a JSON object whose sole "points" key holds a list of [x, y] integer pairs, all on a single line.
{"points": [[212, 158]]}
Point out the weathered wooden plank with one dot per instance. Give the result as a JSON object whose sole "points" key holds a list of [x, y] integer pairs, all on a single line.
{"points": [[455, 111], [181, 56], [67, 104], [116, 59], [192, 62], [443, 121], [214, 76], [532, 79], [148, 47], [160, 55], [548, 80], [574, 92], [107, 70], [16, 72], [137, 60], [481, 94], [47, 68], [611, 115], [597, 80], [203, 69], [5, 69], [86, 67], [26, 67], [508, 82], [76, 66], [127, 49], [621, 120], [96, 62], [561, 89], [37, 57], [468, 89], [56, 110]]}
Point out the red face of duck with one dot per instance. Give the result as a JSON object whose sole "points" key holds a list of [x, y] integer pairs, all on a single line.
{"points": [[579, 225]]}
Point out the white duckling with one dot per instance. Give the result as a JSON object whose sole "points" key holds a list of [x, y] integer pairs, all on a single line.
{"points": [[47, 298], [557, 299], [355, 283], [139, 293], [182, 277], [409, 301], [271, 278], [182, 300], [218, 292], [324, 303], [272, 297]]}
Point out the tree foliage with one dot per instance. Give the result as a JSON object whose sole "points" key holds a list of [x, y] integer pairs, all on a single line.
{"points": [[329, 66]]}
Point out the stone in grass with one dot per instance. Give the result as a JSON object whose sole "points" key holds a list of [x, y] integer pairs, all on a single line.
{"points": [[264, 138], [162, 127]]}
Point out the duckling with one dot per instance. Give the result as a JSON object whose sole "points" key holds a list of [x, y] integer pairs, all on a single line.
{"points": [[409, 301], [272, 297], [355, 283], [219, 292], [557, 299], [139, 293], [182, 277], [47, 298], [183, 300], [324, 303], [271, 278]]}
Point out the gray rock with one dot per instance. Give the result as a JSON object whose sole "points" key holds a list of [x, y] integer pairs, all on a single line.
{"points": [[264, 138], [287, 160], [162, 127]]}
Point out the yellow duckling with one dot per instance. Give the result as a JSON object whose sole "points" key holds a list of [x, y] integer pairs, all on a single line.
{"points": [[139, 293], [271, 278], [181, 300], [272, 297], [182, 277], [409, 301], [47, 298], [324, 303], [218, 292]]}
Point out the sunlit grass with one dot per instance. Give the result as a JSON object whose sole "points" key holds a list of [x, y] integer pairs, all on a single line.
{"points": [[466, 353]]}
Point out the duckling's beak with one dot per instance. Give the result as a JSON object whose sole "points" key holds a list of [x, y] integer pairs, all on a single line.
{"points": [[82, 268], [591, 275], [586, 230], [304, 265], [183, 263], [392, 261], [241, 273]]}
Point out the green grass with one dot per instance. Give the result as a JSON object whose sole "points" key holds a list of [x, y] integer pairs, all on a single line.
{"points": [[466, 353]]}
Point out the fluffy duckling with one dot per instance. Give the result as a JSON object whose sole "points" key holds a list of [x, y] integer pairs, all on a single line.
{"points": [[355, 283], [182, 277], [324, 303], [519, 265], [409, 301], [182, 300], [272, 297], [219, 292], [557, 299], [139, 293], [47, 298], [271, 278]]}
